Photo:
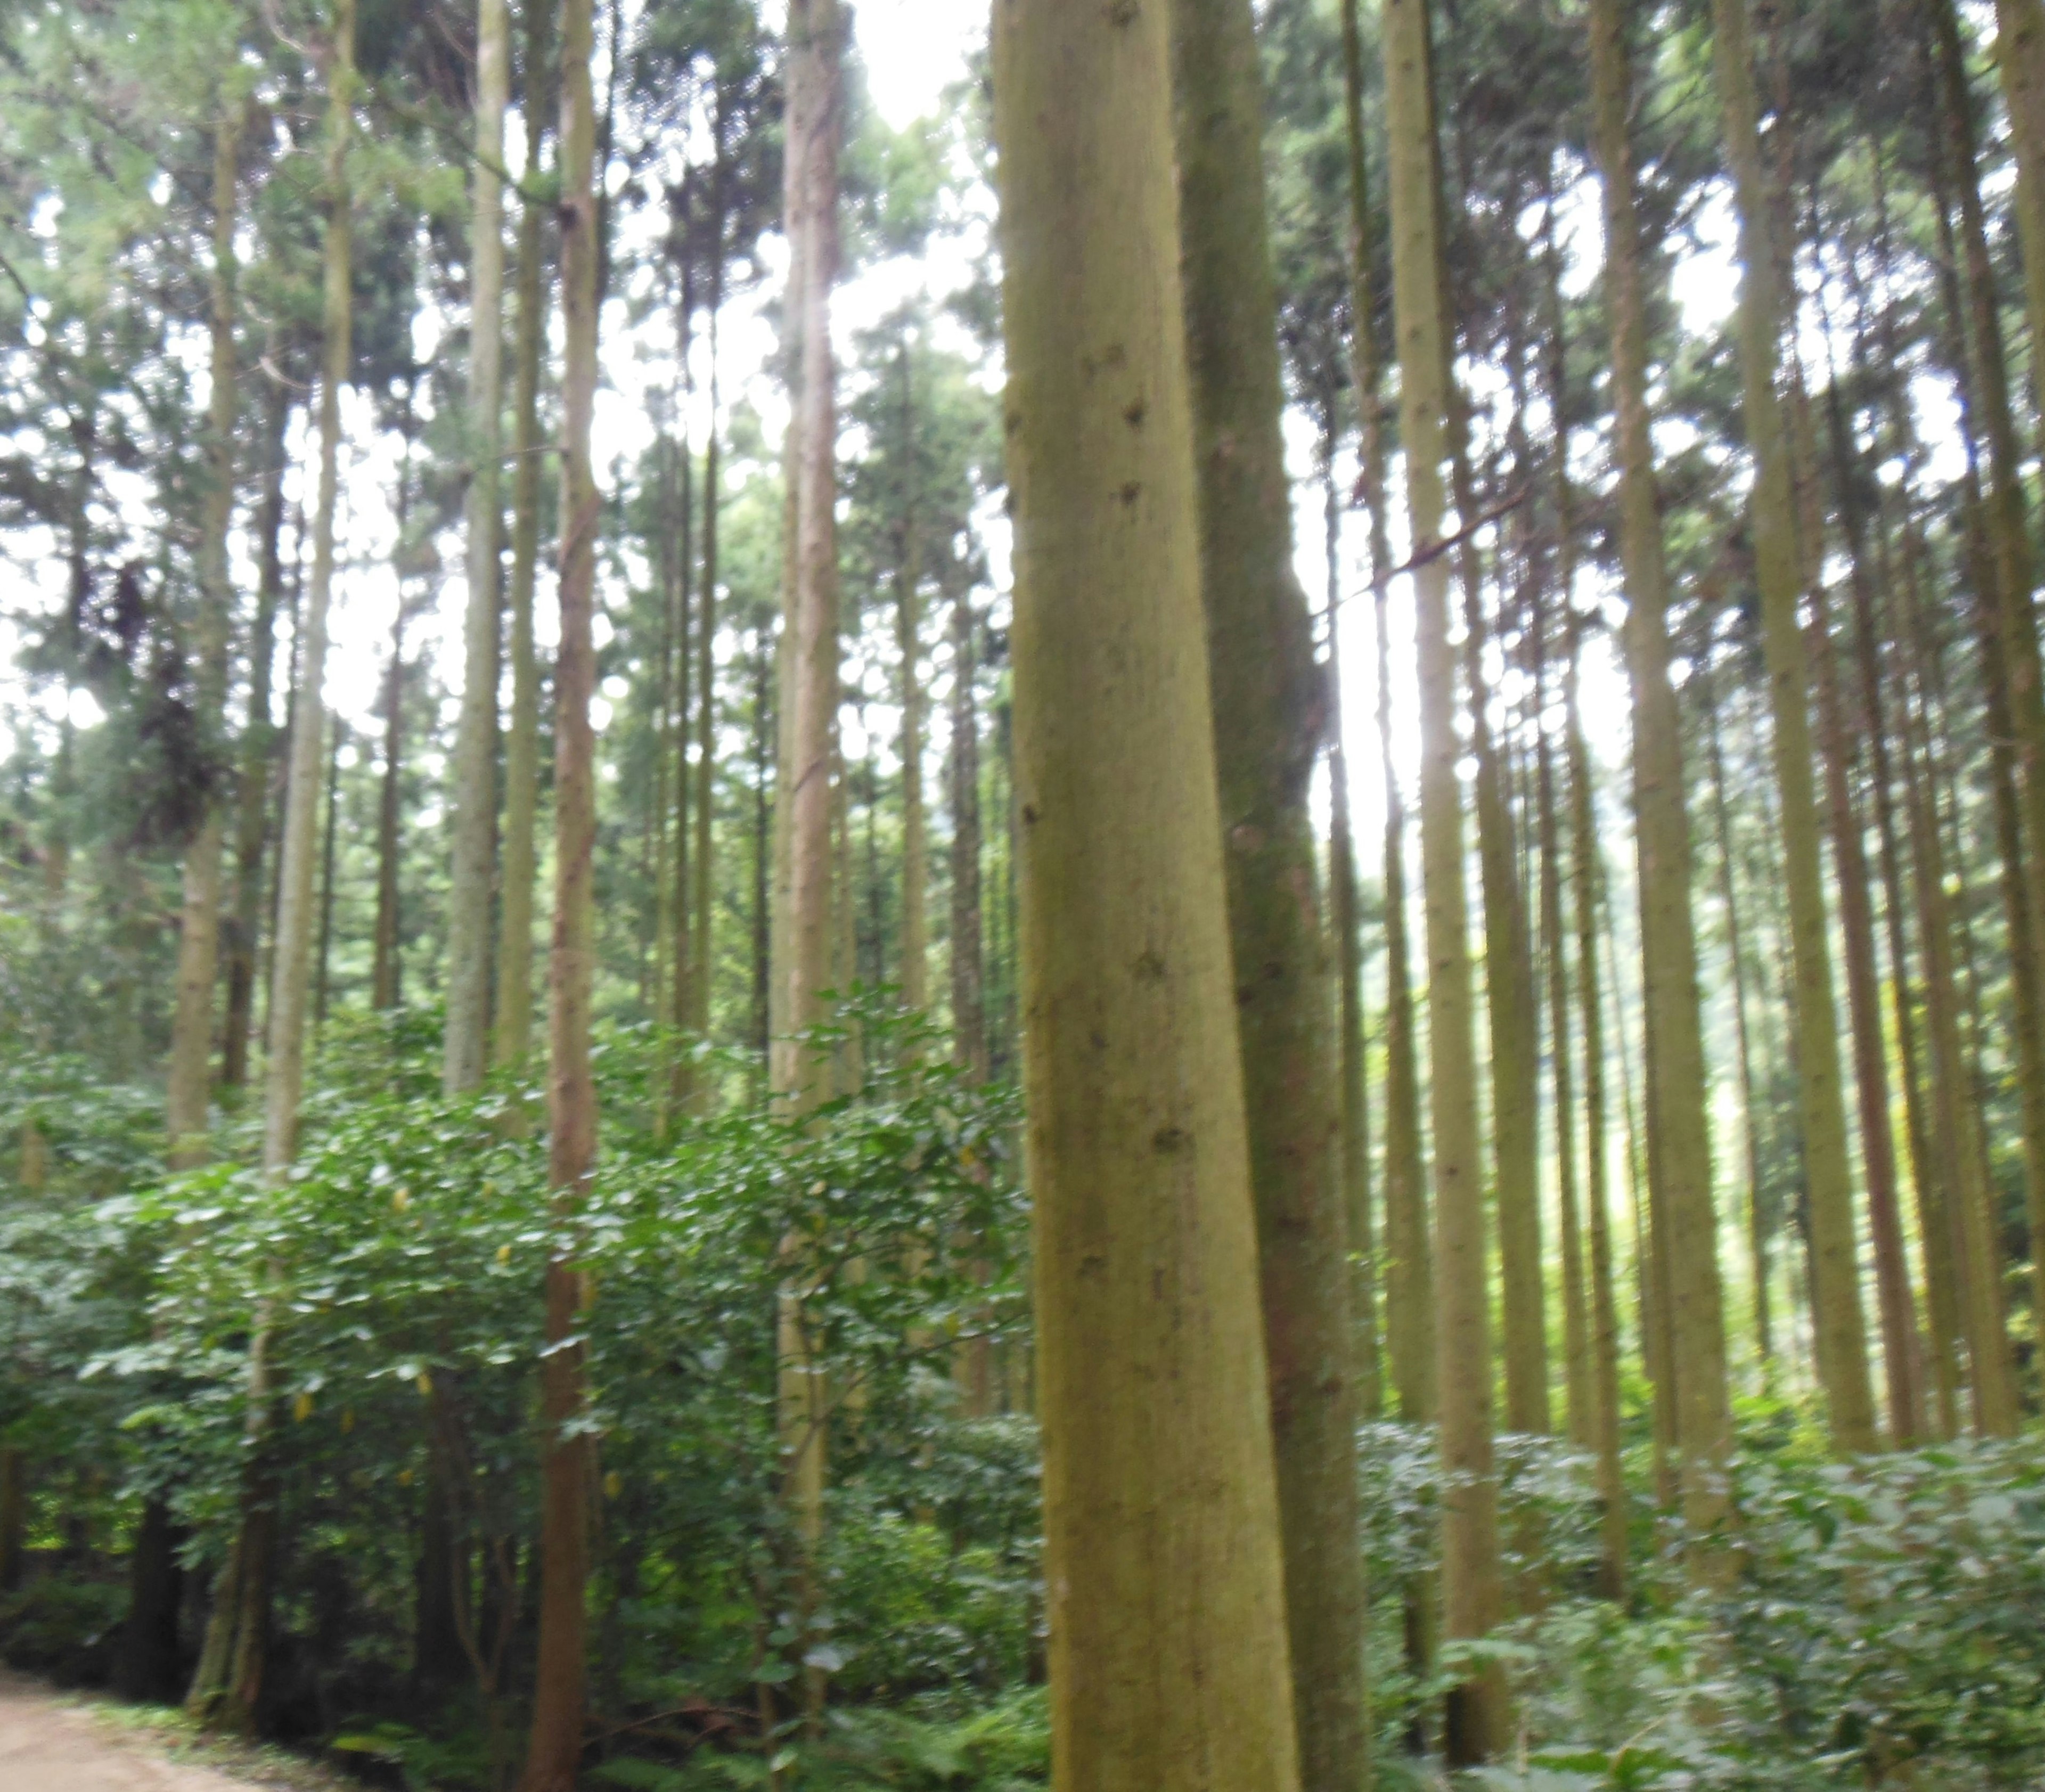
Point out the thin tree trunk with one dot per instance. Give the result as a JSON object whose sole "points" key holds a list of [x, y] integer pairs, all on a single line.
{"points": [[385, 968], [1757, 1217], [816, 44], [190, 1079], [705, 861], [554, 1750], [909, 645], [1841, 1334], [1473, 1594], [513, 1031], [1163, 1563], [1270, 705], [323, 960], [228, 1695], [682, 1004], [258, 743], [465, 1049], [2008, 533], [968, 986], [1588, 866]]}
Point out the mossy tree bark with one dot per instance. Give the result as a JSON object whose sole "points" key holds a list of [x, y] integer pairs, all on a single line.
{"points": [[554, 1749], [1163, 1565], [1472, 1589], [466, 1040], [1841, 1333], [1270, 712]]}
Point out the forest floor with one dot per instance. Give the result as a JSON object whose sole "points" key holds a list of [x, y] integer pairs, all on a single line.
{"points": [[55, 1742]]}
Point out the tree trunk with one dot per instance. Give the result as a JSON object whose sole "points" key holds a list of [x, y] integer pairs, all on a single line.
{"points": [[14, 1516], [323, 961], [383, 974], [1163, 1562], [1841, 1335], [190, 1077], [1988, 405], [701, 903], [816, 44], [465, 1048], [258, 758], [554, 1750], [1588, 867], [909, 645], [968, 986], [1686, 1224], [1472, 1590], [513, 1033], [1270, 712], [2019, 53], [231, 1702]]}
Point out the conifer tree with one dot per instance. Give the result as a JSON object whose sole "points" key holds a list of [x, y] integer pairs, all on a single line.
{"points": [[1163, 1568]]}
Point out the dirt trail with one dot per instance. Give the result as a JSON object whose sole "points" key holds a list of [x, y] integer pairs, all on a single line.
{"points": [[47, 1744]]}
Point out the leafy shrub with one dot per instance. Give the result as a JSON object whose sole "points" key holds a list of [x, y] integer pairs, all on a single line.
{"points": [[65, 1628]]}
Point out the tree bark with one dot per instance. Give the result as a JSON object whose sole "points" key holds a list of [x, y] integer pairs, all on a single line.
{"points": [[231, 1703], [1472, 1593], [1163, 1565], [1841, 1334], [909, 645], [466, 1043], [1270, 704], [554, 1750], [513, 1031], [258, 741], [1989, 408], [968, 974], [190, 1079], [1588, 866]]}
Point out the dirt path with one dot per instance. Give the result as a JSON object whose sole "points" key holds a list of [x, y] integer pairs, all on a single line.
{"points": [[50, 1744]]}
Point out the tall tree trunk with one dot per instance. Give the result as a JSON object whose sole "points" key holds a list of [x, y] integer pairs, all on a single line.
{"points": [[386, 970], [1472, 1596], [1989, 407], [554, 1750], [1404, 1178], [1736, 954], [1686, 1223], [228, 1695], [384, 963], [1162, 1561], [1270, 712], [1588, 866], [1841, 1335], [701, 903], [816, 44], [1967, 1242], [323, 958], [909, 645], [968, 985], [1346, 925], [681, 1004], [190, 1078], [518, 853], [2019, 54], [258, 742], [465, 1048]]}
